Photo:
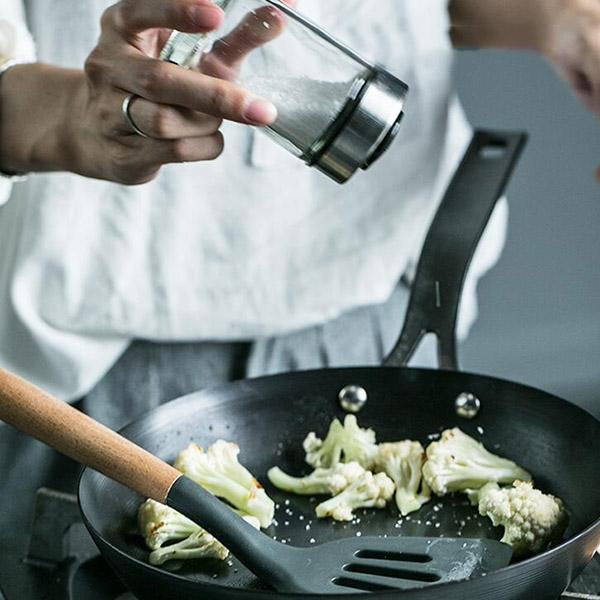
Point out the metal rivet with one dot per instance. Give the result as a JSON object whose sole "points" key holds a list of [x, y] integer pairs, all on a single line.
{"points": [[467, 405], [353, 398]]}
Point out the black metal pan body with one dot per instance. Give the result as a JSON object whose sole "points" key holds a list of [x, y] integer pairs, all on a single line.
{"points": [[269, 417]]}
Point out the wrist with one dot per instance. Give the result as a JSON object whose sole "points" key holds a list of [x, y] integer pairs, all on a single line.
{"points": [[5, 66], [35, 109]]}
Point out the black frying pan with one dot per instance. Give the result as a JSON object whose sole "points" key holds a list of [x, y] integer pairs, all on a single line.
{"points": [[269, 417]]}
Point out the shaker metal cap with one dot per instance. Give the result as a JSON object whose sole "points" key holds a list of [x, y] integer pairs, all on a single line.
{"points": [[365, 128], [353, 129]]}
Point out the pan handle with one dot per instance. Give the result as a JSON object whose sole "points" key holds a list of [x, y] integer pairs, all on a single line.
{"points": [[459, 223]]}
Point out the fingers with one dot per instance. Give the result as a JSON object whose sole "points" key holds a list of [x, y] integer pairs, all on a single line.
{"points": [[165, 83], [129, 17], [134, 160], [155, 153], [191, 149], [165, 122], [256, 29]]}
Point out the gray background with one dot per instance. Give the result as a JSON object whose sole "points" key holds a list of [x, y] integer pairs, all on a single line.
{"points": [[540, 307]]}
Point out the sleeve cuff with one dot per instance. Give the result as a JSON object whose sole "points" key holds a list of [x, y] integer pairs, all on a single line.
{"points": [[16, 42], [5, 189]]}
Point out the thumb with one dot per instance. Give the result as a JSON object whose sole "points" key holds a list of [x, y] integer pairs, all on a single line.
{"points": [[256, 29]]}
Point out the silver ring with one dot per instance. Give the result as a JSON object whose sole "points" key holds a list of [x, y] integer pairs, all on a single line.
{"points": [[126, 110]]}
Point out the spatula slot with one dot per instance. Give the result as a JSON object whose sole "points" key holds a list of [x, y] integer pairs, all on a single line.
{"points": [[399, 556], [388, 572], [363, 586]]}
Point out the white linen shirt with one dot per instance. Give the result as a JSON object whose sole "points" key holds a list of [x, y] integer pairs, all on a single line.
{"points": [[252, 244]]}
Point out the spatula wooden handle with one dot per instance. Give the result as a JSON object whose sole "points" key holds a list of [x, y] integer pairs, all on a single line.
{"points": [[29, 409]]}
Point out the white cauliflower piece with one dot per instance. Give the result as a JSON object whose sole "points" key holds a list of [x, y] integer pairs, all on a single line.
{"points": [[219, 471], [531, 519], [320, 481], [161, 525], [200, 544], [368, 491], [343, 443], [402, 462], [457, 462]]}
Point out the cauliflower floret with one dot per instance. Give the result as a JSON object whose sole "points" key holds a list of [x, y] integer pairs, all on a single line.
{"points": [[402, 462], [320, 481], [344, 443], [200, 544], [368, 491], [219, 471], [160, 524], [457, 462], [531, 519]]}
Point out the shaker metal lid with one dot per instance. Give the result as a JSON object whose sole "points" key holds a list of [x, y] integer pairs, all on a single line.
{"points": [[365, 128]]}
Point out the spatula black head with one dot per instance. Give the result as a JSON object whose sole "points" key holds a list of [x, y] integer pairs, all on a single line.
{"points": [[373, 564], [351, 565]]}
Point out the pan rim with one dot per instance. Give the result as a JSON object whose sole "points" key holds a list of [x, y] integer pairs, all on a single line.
{"points": [[171, 404], [133, 428]]}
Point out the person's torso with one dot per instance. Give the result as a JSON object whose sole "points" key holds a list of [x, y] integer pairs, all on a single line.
{"points": [[254, 242]]}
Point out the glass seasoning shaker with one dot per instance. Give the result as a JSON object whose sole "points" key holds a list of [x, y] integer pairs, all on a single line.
{"points": [[336, 111]]}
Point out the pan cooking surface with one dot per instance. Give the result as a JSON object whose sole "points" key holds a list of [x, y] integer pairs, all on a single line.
{"points": [[295, 523], [270, 417]]}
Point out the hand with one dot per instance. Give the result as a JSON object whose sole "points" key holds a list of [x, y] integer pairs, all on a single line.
{"points": [[567, 32], [573, 46], [180, 110]]}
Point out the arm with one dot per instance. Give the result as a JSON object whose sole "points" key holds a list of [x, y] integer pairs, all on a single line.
{"points": [[566, 32], [513, 24], [35, 101], [57, 119]]}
